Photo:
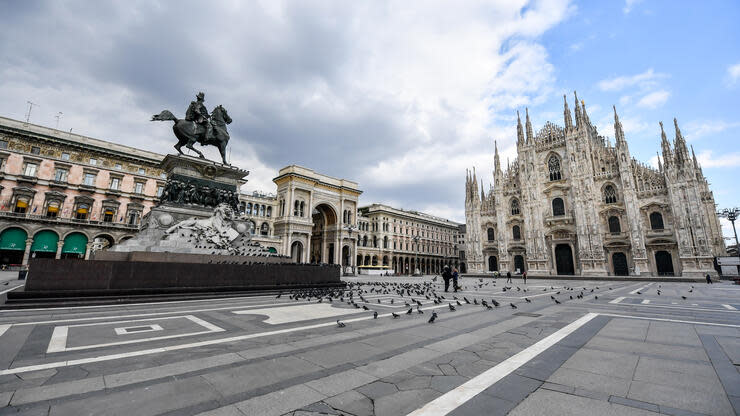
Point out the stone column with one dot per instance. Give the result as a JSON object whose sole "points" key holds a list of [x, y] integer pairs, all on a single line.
{"points": [[27, 251], [60, 244], [88, 246]]}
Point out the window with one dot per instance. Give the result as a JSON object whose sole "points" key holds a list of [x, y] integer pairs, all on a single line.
{"points": [[610, 195], [656, 221], [364, 241], [514, 207], [614, 226], [117, 166], [160, 189], [35, 150], [516, 232], [491, 234], [139, 188], [249, 209], [93, 161], [21, 205], [60, 175], [133, 217], [269, 211], [303, 206], [30, 169], [264, 229], [108, 215], [142, 171], [115, 183], [553, 166], [385, 242], [81, 211], [89, 179], [52, 210], [3, 144], [65, 156], [558, 207], [296, 208]]}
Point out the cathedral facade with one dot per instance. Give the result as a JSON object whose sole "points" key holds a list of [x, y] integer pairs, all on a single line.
{"points": [[573, 203]]}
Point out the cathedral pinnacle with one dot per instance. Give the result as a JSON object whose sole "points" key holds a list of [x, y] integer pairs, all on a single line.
{"points": [[618, 132], [530, 135], [566, 114], [660, 165], [578, 112], [496, 161], [519, 130], [664, 144], [586, 120], [679, 144]]}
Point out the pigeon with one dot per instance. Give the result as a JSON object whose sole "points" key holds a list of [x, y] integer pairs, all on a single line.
{"points": [[433, 317], [365, 308], [495, 303], [419, 311], [278, 296], [395, 315], [639, 293], [458, 303], [512, 305], [375, 314], [340, 324], [452, 308], [596, 297], [528, 301], [557, 301], [683, 297], [408, 312]]}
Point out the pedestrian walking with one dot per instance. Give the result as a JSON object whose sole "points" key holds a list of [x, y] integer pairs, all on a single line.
{"points": [[455, 275], [446, 276], [709, 279], [524, 276], [508, 277]]}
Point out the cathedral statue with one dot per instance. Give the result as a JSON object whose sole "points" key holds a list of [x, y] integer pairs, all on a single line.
{"points": [[199, 127]]}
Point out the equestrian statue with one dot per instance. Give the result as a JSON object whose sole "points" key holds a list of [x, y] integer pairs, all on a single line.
{"points": [[199, 126]]}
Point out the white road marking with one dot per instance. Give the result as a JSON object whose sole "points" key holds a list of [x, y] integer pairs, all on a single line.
{"points": [[11, 289], [58, 341], [617, 300], [136, 329], [634, 292], [455, 398], [730, 307], [652, 305], [669, 320], [299, 313], [178, 347], [4, 328], [645, 301]]}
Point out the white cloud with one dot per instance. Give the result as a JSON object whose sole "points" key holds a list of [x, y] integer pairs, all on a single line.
{"points": [[707, 159], [629, 4], [654, 99], [733, 73], [698, 129], [643, 80]]}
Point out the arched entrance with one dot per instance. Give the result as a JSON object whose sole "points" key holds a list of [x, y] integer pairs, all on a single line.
{"points": [[463, 268], [12, 246], [296, 252], [619, 261], [102, 242], [44, 244], [346, 259], [664, 263], [564, 259], [323, 234], [75, 246], [492, 264], [519, 263]]}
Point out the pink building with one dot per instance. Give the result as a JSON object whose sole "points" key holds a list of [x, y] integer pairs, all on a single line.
{"points": [[63, 194]]}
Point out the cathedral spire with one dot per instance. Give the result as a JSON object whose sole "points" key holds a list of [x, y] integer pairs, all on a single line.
{"points": [[496, 160], [530, 135], [566, 114], [660, 165], [482, 192], [578, 112], [679, 145], [693, 158], [618, 132], [585, 120], [664, 144], [519, 130]]}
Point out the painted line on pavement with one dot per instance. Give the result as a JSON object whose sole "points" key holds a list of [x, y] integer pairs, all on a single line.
{"points": [[11, 289], [669, 320], [4, 328], [617, 300], [178, 347], [458, 396], [645, 301], [634, 292], [652, 305], [730, 307]]}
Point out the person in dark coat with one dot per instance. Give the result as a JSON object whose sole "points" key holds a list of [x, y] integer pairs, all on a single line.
{"points": [[709, 279], [524, 276], [508, 277], [446, 276], [455, 275]]}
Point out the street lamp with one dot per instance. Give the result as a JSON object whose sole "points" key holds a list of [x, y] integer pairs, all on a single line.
{"points": [[416, 262], [349, 229], [731, 214]]}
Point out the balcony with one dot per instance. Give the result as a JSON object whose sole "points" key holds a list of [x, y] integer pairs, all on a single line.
{"points": [[662, 232], [558, 220], [621, 237], [58, 184], [66, 221], [29, 180]]}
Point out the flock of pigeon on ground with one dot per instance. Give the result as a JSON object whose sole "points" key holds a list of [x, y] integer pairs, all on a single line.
{"points": [[412, 295]]}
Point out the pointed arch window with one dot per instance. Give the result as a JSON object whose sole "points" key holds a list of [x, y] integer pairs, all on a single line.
{"points": [[614, 226], [516, 232], [491, 234], [558, 207], [610, 195], [514, 207], [553, 166], [656, 221]]}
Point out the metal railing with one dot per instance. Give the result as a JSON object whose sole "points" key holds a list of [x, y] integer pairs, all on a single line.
{"points": [[62, 220]]}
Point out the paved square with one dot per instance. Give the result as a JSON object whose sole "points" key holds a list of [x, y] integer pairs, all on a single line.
{"points": [[613, 348]]}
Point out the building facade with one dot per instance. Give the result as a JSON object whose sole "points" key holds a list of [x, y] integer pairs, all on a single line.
{"points": [[63, 194], [405, 241], [573, 203]]}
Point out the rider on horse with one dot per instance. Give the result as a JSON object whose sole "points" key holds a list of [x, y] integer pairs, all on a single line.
{"points": [[198, 113]]}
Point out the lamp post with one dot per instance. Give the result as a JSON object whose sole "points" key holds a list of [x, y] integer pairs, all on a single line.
{"points": [[416, 243], [349, 229], [731, 214]]}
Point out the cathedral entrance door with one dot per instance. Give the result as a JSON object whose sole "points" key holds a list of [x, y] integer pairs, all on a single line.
{"points": [[664, 263], [564, 259], [492, 264], [619, 260], [519, 263]]}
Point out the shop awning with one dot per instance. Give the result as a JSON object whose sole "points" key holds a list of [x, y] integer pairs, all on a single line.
{"points": [[45, 241], [13, 239], [75, 243]]}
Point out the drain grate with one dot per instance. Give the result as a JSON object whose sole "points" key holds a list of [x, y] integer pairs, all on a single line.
{"points": [[531, 315]]}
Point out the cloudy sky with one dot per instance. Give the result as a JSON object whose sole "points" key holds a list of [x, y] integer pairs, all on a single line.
{"points": [[400, 96]]}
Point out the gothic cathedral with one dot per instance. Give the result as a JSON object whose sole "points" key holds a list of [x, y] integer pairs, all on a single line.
{"points": [[574, 204]]}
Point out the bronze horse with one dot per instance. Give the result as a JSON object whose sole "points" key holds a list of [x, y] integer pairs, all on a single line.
{"points": [[189, 132]]}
